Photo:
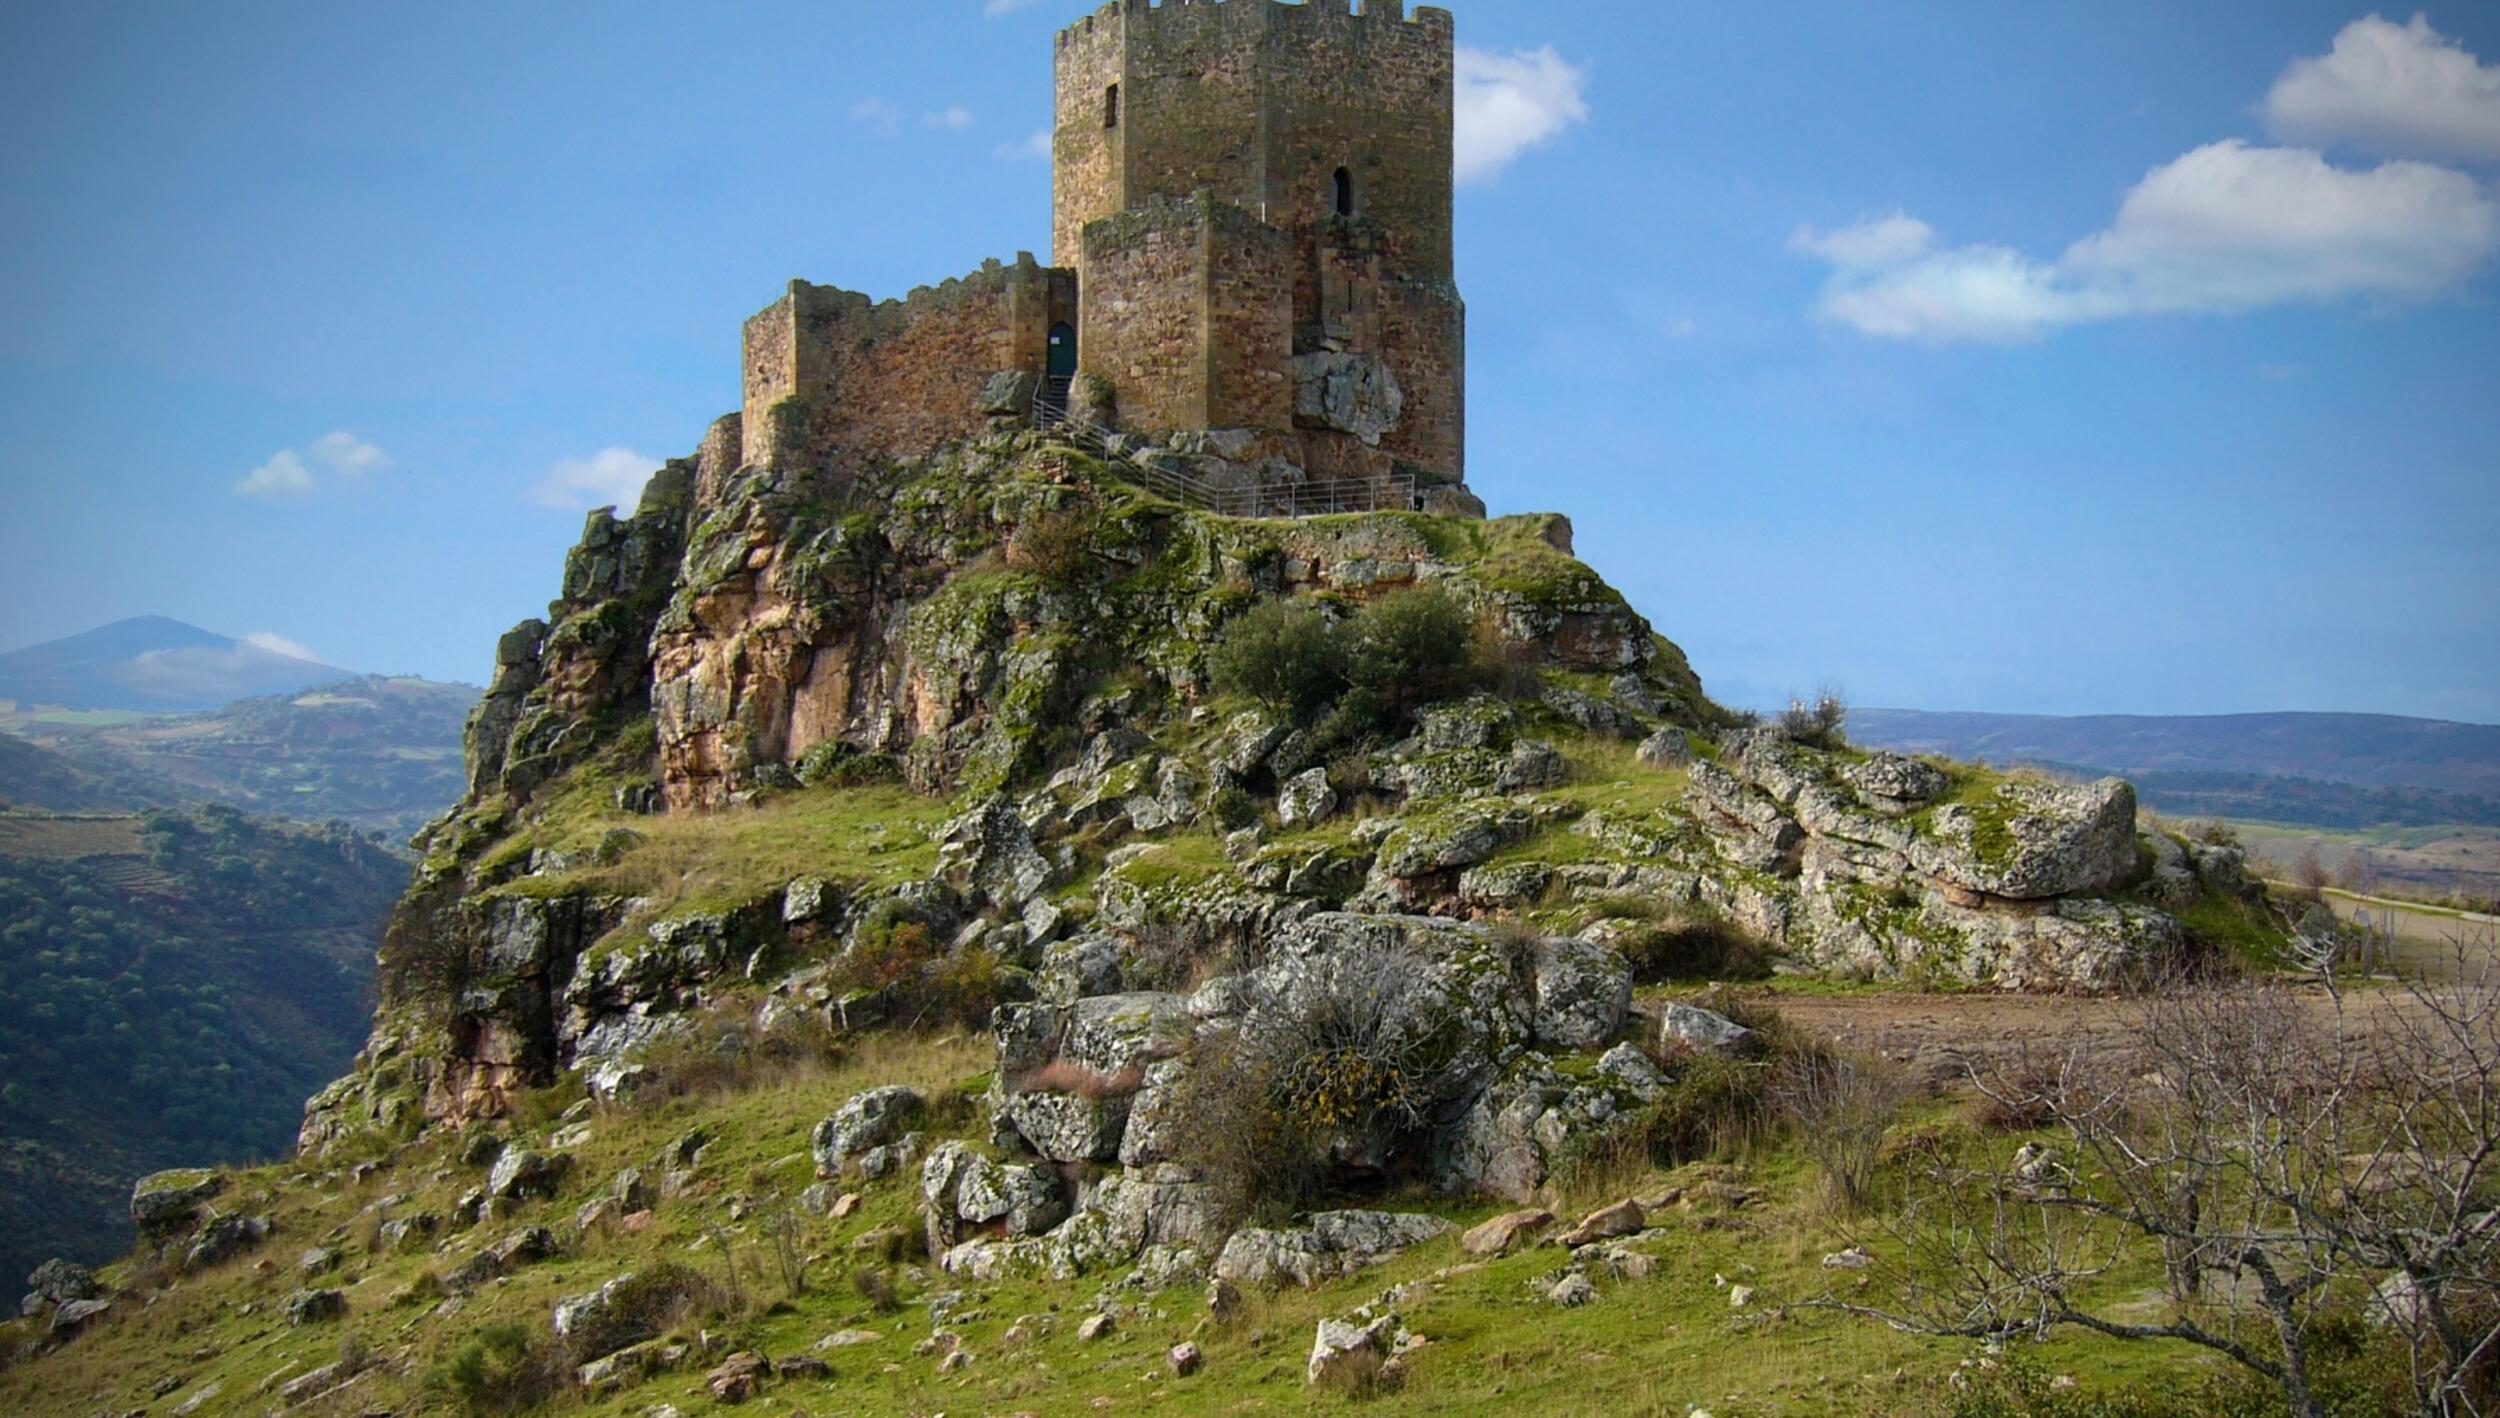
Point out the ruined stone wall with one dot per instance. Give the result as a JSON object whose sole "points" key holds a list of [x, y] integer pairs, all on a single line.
{"points": [[835, 379], [1187, 311]]}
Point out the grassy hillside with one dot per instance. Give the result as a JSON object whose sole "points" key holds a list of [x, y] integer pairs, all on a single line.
{"points": [[171, 987]]}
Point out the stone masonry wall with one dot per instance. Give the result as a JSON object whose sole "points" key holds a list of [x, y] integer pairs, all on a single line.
{"points": [[1186, 313], [834, 379], [1260, 103]]}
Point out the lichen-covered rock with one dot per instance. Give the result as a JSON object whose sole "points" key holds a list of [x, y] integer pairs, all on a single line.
{"points": [[1582, 991], [964, 1192], [1685, 1026], [169, 1201], [1306, 798], [2031, 841], [1458, 836], [1894, 784], [991, 850], [1334, 1243], [520, 1173], [56, 1282], [864, 1121]]}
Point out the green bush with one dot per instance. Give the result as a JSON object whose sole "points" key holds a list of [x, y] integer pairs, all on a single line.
{"points": [[924, 983], [1692, 943], [1412, 649], [1286, 655], [501, 1370], [836, 764]]}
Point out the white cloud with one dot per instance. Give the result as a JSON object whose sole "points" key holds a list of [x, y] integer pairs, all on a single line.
{"points": [[2228, 227], [277, 644], [1033, 149], [346, 454], [1509, 103], [2396, 90], [877, 114], [1682, 327], [333, 457], [611, 477], [284, 475], [956, 117], [992, 9]]}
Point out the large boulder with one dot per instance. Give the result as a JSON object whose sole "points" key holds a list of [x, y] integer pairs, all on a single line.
{"points": [[1350, 393], [1332, 1244], [1582, 991], [169, 1201], [520, 1173], [2030, 841], [1685, 1026], [55, 1283], [864, 1122], [224, 1238], [964, 1192], [990, 852]]}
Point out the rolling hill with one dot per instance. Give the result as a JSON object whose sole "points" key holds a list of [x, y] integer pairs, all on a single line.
{"points": [[2326, 770]]}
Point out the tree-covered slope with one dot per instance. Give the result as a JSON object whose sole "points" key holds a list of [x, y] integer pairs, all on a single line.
{"points": [[171, 987]]}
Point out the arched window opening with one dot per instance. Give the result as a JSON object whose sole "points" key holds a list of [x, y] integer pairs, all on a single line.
{"points": [[1111, 107], [1345, 192]]}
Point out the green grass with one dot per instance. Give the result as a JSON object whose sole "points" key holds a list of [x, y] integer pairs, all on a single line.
{"points": [[1649, 1346], [865, 837]]}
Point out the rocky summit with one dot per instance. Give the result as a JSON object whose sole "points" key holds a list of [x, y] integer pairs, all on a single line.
{"points": [[785, 782]]}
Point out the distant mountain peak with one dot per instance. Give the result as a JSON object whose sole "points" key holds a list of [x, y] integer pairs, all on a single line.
{"points": [[156, 664]]}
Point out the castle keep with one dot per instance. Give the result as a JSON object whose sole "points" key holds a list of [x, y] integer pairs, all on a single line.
{"points": [[1252, 236]]}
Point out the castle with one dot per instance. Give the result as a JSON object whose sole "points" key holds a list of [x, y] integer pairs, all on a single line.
{"points": [[1252, 244]]}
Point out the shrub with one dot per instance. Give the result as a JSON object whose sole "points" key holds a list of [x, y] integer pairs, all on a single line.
{"points": [[1056, 546], [924, 983], [875, 1284], [1092, 1084], [1816, 722], [1286, 655], [1692, 942], [836, 764], [502, 1370], [1411, 649], [1341, 1063], [1841, 1107], [1234, 809]]}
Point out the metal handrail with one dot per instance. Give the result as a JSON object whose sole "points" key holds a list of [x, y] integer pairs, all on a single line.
{"points": [[1394, 492]]}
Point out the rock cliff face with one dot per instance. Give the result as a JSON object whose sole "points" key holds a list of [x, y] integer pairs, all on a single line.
{"points": [[772, 736]]}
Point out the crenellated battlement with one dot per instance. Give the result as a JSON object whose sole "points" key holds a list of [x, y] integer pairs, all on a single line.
{"points": [[1143, 16]]}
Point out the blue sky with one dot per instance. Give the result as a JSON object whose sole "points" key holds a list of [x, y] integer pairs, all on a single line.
{"points": [[2123, 357]]}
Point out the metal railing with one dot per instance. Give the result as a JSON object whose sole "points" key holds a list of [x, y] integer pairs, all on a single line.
{"points": [[1394, 492]]}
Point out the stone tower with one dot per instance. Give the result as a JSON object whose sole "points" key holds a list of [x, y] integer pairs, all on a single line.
{"points": [[1255, 196]]}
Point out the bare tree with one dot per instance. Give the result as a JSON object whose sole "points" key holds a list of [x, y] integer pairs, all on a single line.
{"points": [[2303, 1148], [1841, 1105]]}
